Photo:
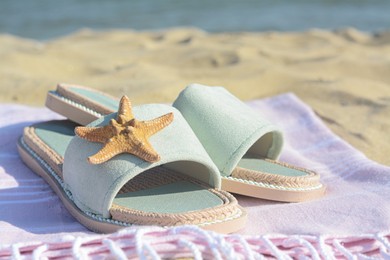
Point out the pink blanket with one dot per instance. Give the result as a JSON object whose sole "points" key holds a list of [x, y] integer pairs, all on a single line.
{"points": [[352, 218]]}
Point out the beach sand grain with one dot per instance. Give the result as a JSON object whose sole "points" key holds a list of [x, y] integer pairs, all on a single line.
{"points": [[343, 75]]}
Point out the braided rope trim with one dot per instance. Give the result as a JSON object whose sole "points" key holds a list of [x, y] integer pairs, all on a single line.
{"points": [[272, 186], [193, 242], [161, 176], [59, 180], [80, 106], [90, 105], [310, 181], [45, 152], [227, 211]]}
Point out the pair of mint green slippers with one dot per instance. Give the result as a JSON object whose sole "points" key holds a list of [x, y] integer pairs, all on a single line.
{"points": [[161, 165]]}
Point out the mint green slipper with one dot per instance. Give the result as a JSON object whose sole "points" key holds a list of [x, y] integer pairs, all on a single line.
{"points": [[242, 145], [120, 171]]}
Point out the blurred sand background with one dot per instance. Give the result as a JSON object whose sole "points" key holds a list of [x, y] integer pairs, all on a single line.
{"points": [[343, 75]]}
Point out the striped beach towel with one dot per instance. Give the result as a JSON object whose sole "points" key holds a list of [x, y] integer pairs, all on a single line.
{"points": [[351, 221]]}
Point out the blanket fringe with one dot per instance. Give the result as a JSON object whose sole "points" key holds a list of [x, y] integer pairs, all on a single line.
{"points": [[195, 243]]}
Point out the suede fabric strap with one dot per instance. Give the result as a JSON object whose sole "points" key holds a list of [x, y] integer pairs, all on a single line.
{"points": [[95, 186], [227, 127]]}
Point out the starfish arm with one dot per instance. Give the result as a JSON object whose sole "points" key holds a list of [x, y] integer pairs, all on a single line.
{"points": [[145, 152], [108, 151], [153, 126], [125, 112], [95, 134], [125, 135]]}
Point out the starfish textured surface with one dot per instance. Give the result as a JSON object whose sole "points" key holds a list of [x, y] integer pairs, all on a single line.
{"points": [[125, 135]]}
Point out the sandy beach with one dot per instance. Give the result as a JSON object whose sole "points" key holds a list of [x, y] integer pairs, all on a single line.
{"points": [[343, 75]]}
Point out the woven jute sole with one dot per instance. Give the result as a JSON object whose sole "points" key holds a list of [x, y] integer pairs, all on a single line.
{"points": [[273, 186], [226, 218], [239, 186], [77, 109]]}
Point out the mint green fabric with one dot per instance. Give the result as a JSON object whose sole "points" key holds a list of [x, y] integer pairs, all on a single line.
{"points": [[227, 128], [94, 187], [176, 197], [269, 167], [56, 134], [97, 97]]}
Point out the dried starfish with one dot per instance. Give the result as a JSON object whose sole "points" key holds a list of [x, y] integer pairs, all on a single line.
{"points": [[125, 135]]}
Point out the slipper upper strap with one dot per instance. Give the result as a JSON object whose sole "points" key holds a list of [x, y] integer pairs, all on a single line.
{"points": [[227, 127], [94, 186]]}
